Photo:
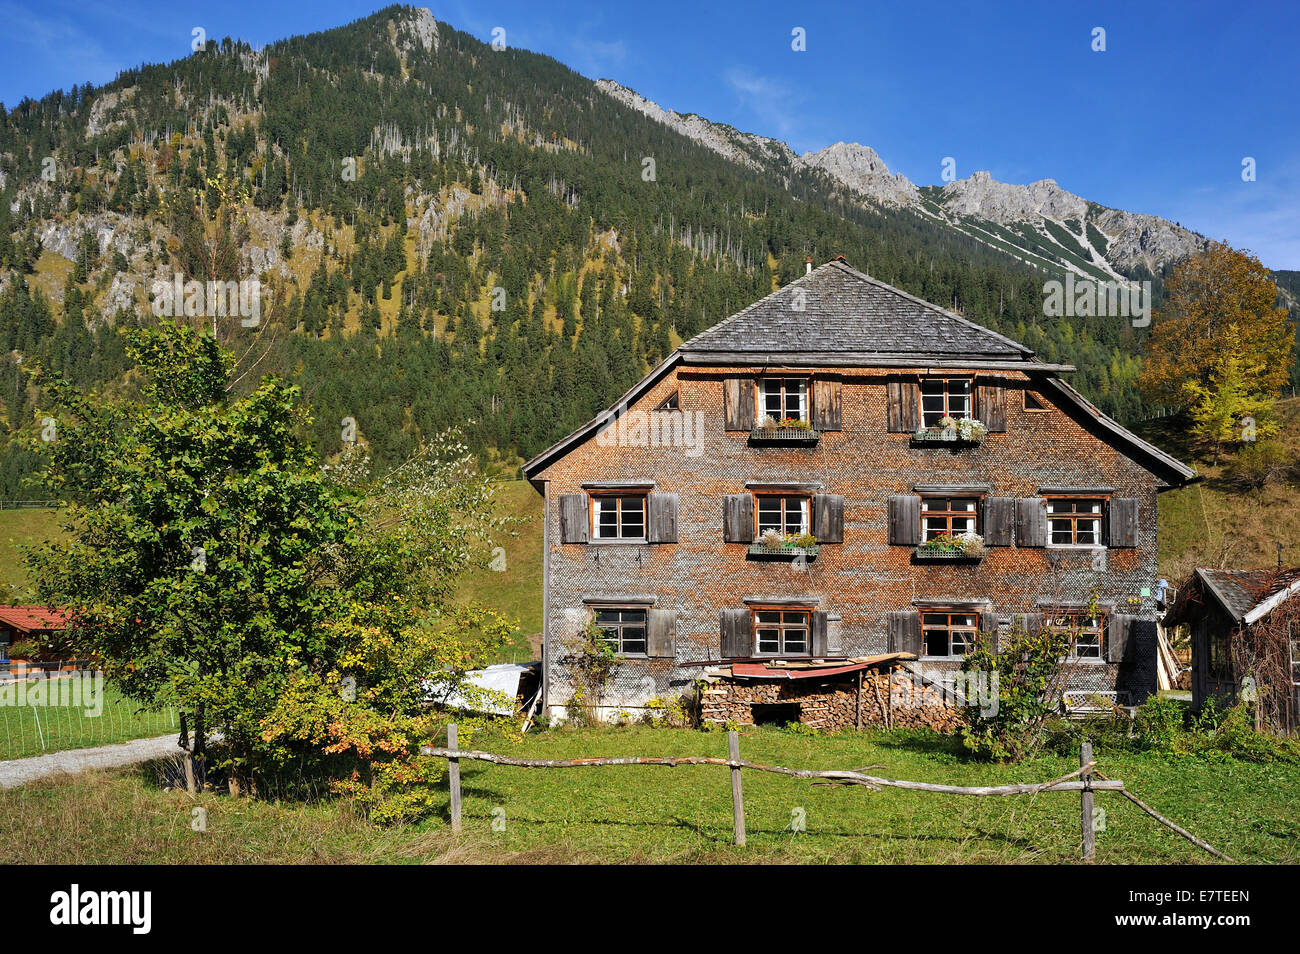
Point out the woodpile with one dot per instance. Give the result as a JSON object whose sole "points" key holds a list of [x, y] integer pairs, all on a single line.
{"points": [[871, 697]]}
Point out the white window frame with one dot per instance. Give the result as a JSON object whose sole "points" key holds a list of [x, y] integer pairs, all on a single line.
{"points": [[929, 418], [602, 500], [784, 390], [1075, 518]]}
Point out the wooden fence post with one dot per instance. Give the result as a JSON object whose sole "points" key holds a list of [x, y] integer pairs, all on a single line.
{"points": [[1085, 804], [737, 797], [453, 770]]}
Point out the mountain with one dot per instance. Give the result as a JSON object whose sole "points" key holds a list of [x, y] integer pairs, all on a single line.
{"points": [[451, 235], [1039, 224]]}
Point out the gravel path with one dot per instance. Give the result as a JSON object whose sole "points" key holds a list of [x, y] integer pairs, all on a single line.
{"points": [[21, 771]]}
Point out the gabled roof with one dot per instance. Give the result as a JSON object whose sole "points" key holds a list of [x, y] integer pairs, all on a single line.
{"points": [[1248, 595], [26, 619], [846, 318], [838, 309]]}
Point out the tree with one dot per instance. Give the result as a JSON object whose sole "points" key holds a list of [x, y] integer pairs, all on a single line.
{"points": [[1220, 301], [214, 565]]}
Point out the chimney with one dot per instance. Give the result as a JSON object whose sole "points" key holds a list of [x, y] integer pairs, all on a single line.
{"points": [[807, 265]]}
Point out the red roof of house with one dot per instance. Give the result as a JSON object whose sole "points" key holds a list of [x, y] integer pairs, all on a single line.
{"points": [[29, 618]]}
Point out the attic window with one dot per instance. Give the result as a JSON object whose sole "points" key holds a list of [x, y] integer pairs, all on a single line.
{"points": [[784, 399], [1035, 403], [945, 397], [670, 403]]}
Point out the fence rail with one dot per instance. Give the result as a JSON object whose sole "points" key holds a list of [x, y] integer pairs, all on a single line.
{"points": [[1085, 780]]}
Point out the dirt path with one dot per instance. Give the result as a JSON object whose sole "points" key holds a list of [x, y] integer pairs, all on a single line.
{"points": [[21, 771]]}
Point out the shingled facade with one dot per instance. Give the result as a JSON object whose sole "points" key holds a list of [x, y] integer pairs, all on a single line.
{"points": [[796, 482]]}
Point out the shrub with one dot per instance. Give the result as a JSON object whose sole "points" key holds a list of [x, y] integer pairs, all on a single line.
{"points": [[1026, 677], [24, 649]]}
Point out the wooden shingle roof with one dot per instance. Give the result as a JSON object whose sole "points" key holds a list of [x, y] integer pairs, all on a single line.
{"points": [[838, 310]]}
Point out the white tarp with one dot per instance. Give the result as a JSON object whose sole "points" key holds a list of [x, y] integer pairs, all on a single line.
{"points": [[503, 678]]}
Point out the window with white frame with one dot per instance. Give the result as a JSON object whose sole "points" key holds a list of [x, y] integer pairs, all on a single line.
{"points": [[624, 627], [784, 399], [786, 514], [948, 635], [947, 516], [1087, 633], [1074, 522], [945, 397], [618, 516], [782, 632]]}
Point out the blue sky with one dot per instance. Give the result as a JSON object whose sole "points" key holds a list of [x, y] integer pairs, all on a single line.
{"points": [[1159, 122]]}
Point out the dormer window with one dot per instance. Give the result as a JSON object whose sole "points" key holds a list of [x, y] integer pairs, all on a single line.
{"points": [[783, 399], [945, 397]]}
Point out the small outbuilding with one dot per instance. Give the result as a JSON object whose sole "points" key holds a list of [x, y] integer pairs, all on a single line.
{"points": [[1245, 635]]}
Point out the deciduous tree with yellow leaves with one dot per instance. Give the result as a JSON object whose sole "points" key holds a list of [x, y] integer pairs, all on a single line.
{"points": [[1220, 347]]}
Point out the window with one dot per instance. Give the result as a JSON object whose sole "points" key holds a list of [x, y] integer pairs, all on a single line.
{"points": [[1294, 640], [1087, 633], [1219, 642], [941, 516], [625, 628], [948, 635], [784, 398], [786, 515], [944, 397], [781, 632], [1035, 403], [618, 517], [1074, 522], [670, 403]]}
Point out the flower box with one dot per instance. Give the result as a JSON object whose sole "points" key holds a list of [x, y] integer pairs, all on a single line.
{"points": [[785, 552], [783, 435], [951, 437], [939, 556]]}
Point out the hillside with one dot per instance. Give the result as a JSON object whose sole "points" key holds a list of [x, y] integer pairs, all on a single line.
{"points": [[449, 235]]}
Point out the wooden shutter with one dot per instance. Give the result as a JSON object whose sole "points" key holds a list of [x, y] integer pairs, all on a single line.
{"points": [[1122, 522], [661, 632], [662, 514], [739, 403], [1031, 522], [903, 405], [827, 411], [905, 520], [905, 632], [989, 626], [573, 518], [1118, 629], [818, 637], [991, 406], [736, 634], [828, 518], [738, 518], [1032, 623], [999, 521]]}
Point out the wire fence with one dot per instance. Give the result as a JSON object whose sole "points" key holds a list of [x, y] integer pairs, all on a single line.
{"points": [[28, 730]]}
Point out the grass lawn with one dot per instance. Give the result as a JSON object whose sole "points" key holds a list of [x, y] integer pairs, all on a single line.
{"points": [[38, 730], [18, 528], [515, 591], [682, 815]]}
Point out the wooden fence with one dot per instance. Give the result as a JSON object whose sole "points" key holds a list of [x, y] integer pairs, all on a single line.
{"points": [[1085, 780]]}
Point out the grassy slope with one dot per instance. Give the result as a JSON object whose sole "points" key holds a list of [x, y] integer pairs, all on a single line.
{"points": [[19, 527], [684, 814]]}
